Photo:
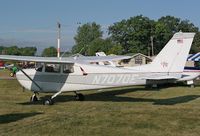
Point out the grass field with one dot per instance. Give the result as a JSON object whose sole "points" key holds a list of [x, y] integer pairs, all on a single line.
{"points": [[172, 111], [4, 73]]}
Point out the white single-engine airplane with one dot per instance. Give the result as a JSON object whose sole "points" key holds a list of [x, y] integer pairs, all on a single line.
{"points": [[58, 75]]}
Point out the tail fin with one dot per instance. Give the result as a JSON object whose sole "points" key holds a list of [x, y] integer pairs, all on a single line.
{"points": [[173, 56]]}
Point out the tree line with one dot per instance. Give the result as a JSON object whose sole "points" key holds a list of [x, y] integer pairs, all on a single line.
{"points": [[22, 51], [29, 51], [133, 35]]}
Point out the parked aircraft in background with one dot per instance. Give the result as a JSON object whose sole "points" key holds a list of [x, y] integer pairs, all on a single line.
{"points": [[190, 74], [58, 75], [8, 66]]}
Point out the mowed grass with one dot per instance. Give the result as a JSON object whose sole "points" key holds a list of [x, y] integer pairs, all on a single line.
{"points": [[4, 73], [136, 111]]}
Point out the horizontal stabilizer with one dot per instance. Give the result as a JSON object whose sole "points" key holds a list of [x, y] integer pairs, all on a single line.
{"points": [[162, 78]]}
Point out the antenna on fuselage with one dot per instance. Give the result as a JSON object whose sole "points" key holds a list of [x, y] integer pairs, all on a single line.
{"points": [[59, 36]]}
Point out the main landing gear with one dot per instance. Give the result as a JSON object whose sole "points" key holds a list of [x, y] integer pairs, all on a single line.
{"points": [[50, 101]]}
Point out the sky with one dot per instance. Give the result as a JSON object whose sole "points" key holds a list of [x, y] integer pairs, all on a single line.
{"points": [[34, 21]]}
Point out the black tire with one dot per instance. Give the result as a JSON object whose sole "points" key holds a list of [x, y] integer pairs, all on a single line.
{"points": [[79, 97], [48, 102]]}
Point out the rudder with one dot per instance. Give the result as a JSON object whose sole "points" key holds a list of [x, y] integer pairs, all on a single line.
{"points": [[173, 56]]}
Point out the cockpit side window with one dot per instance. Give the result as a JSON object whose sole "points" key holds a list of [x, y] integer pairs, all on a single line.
{"points": [[52, 68], [68, 68]]}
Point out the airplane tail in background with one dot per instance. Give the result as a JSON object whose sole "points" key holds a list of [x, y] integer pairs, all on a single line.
{"points": [[173, 56]]}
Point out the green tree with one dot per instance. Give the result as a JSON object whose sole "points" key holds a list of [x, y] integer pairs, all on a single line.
{"points": [[161, 36], [116, 49], [14, 50], [49, 52], [165, 28], [105, 45], [85, 35], [133, 34], [196, 44], [28, 51], [187, 26], [1, 49], [171, 23]]}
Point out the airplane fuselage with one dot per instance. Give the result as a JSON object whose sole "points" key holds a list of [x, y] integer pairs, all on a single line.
{"points": [[93, 78], [83, 77]]}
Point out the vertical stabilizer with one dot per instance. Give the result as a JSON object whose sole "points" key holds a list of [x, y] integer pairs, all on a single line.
{"points": [[173, 56]]}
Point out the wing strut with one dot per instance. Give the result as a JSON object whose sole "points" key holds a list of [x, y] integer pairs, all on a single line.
{"points": [[50, 100], [30, 79], [59, 92]]}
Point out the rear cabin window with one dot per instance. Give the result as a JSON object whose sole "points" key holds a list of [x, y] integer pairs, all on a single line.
{"points": [[68, 68], [52, 68]]}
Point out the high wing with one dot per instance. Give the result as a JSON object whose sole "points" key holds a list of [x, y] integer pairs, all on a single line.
{"points": [[82, 59]]}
